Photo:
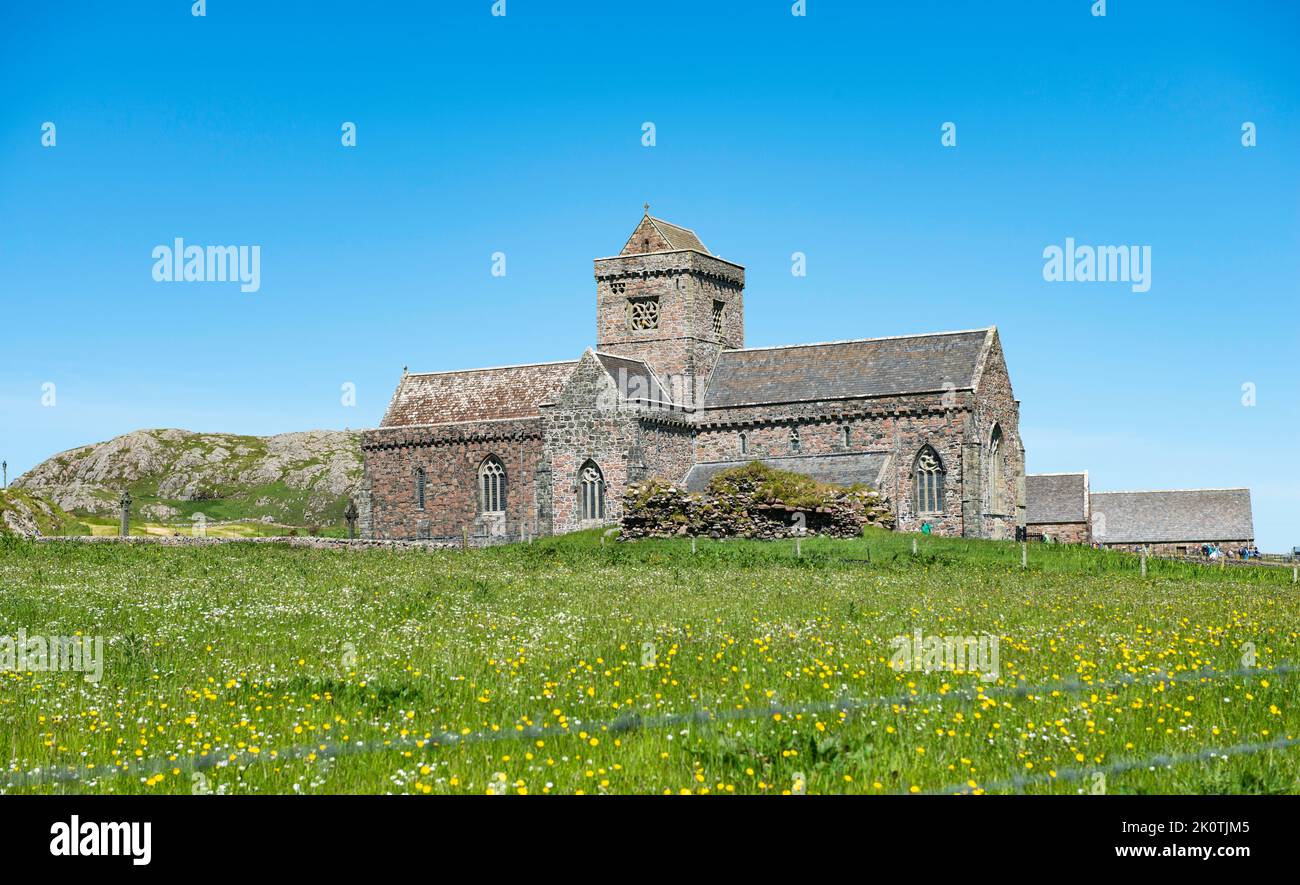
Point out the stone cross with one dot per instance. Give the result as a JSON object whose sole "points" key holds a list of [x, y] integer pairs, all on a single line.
{"points": [[125, 504], [351, 516]]}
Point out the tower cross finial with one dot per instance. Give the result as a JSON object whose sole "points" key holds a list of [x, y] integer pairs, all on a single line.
{"points": [[647, 208]]}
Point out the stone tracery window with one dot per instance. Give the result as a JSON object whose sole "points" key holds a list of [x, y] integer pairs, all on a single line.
{"points": [[643, 313], [591, 491], [492, 485], [928, 482], [795, 442], [719, 312]]}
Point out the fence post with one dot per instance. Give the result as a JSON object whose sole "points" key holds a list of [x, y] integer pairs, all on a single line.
{"points": [[692, 545], [798, 548], [914, 546], [1024, 555], [1295, 574], [464, 537], [1144, 562]]}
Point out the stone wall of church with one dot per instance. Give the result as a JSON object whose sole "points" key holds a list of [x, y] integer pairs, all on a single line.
{"points": [[451, 456], [667, 450], [996, 406], [585, 424], [900, 426]]}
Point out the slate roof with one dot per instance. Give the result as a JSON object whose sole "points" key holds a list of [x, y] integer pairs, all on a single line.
{"points": [[844, 369], [656, 235], [680, 238], [1172, 516], [474, 394], [1056, 498], [843, 469], [635, 379]]}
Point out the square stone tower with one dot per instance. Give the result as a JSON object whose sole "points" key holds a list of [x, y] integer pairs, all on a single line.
{"points": [[665, 300]]}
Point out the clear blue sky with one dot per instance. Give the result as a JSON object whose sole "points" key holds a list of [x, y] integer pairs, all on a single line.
{"points": [[774, 134]]}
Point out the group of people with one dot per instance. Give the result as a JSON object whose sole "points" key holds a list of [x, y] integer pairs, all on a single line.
{"points": [[1214, 551]]}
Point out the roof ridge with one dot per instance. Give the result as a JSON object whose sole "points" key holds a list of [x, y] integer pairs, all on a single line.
{"points": [[793, 457], [1062, 473], [1156, 491], [493, 368], [859, 340]]}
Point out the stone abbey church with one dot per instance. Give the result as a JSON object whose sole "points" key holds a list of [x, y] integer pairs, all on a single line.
{"points": [[671, 391]]}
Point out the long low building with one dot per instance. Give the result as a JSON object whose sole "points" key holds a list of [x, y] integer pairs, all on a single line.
{"points": [[1174, 521], [1062, 507]]}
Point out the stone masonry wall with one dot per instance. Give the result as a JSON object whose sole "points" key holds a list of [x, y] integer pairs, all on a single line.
{"points": [[667, 450], [683, 349], [900, 426], [1186, 548], [996, 406], [451, 456], [1063, 532], [577, 429]]}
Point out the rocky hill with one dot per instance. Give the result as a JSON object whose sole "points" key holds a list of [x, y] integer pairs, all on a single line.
{"points": [[27, 515], [297, 479]]}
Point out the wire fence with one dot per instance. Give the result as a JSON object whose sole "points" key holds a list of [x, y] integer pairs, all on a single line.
{"points": [[633, 722]]}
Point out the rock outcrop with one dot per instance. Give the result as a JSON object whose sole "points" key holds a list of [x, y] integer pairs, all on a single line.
{"points": [[293, 478]]}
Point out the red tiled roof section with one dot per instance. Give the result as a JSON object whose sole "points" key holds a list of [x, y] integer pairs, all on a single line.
{"points": [[475, 394]]}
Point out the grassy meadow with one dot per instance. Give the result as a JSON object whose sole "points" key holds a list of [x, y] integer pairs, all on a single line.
{"points": [[559, 668]]}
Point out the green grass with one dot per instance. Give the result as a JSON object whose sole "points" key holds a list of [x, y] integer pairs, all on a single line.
{"points": [[256, 654]]}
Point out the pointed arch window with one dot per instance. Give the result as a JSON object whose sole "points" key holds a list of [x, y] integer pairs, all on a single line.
{"points": [[928, 481], [591, 491], [491, 485], [995, 470], [421, 481]]}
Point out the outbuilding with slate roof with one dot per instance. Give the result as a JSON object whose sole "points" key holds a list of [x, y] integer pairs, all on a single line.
{"points": [[1177, 521], [1057, 507]]}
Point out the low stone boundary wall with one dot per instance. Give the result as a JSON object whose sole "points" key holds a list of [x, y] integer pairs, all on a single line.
{"points": [[291, 540]]}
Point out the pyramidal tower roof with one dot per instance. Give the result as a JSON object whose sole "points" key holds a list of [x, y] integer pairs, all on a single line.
{"points": [[656, 235]]}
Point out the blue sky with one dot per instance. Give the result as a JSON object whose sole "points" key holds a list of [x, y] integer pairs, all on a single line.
{"points": [[775, 134]]}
